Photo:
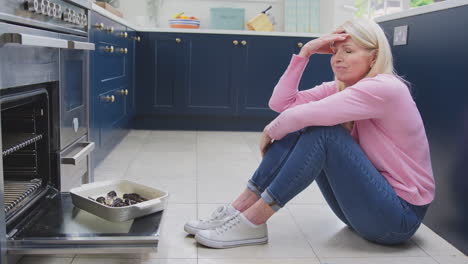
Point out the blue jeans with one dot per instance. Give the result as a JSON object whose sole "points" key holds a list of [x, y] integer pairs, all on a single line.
{"points": [[356, 192]]}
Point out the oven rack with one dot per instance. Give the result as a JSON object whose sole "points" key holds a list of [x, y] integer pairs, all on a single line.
{"points": [[14, 142], [17, 191]]}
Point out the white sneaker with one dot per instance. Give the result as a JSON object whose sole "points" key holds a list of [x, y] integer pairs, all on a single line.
{"points": [[216, 219], [236, 231]]}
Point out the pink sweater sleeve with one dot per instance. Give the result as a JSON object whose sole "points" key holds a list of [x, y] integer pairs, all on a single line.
{"points": [[368, 98], [286, 93]]}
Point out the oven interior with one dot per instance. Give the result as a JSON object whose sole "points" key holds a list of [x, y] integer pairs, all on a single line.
{"points": [[25, 148]]}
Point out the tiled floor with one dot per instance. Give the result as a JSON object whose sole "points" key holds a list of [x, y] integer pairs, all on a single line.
{"points": [[202, 170]]}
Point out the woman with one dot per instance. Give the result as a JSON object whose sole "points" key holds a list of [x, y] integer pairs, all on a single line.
{"points": [[360, 137]]}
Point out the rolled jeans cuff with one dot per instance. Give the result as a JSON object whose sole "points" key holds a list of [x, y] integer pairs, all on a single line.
{"points": [[271, 201], [254, 188]]}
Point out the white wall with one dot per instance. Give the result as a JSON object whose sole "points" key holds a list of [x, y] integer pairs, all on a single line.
{"points": [[158, 12]]}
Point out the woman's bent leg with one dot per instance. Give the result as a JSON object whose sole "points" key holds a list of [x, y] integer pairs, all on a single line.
{"points": [[367, 201], [271, 163], [266, 171]]}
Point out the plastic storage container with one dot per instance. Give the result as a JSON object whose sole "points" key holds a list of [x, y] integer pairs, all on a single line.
{"points": [[227, 18], [156, 199]]}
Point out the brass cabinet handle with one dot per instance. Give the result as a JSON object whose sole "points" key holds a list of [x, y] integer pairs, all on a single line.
{"points": [[110, 29], [109, 98], [123, 92], [109, 49], [178, 40], [235, 42], [123, 50], [126, 91], [124, 35], [299, 44], [137, 38], [99, 26], [244, 43]]}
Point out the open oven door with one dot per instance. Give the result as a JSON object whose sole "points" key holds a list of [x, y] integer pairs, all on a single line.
{"points": [[56, 226]]}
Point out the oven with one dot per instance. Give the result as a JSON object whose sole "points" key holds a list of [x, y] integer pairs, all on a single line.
{"points": [[44, 95]]}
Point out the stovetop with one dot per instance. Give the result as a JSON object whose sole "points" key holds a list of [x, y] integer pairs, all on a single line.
{"points": [[67, 16]]}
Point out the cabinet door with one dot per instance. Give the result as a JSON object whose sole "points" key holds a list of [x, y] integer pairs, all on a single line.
{"points": [[161, 70], [209, 85], [265, 60]]}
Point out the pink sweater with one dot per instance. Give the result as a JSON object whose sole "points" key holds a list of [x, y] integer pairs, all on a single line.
{"points": [[388, 126]]}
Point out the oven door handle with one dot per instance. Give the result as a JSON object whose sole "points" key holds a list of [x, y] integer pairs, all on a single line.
{"points": [[79, 45], [75, 159], [32, 40]]}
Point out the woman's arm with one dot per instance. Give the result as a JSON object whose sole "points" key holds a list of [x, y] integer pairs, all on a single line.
{"points": [[369, 98], [286, 93]]}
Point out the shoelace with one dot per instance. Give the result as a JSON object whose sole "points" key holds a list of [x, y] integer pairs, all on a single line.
{"points": [[230, 223], [219, 213]]}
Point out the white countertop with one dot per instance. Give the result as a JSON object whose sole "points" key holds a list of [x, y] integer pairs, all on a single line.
{"points": [[423, 10]]}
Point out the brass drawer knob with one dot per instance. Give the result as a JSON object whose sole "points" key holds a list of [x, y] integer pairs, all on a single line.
{"points": [[99, 26], [244, 43], [178, 40], [299, 44], [109, 49], [137, 38], [125, 50], [109, 98], [110, 29], [123, 92], [235, 42], [124, 35]]}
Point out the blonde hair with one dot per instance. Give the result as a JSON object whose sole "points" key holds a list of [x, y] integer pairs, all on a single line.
{"points": [[369, 35]]}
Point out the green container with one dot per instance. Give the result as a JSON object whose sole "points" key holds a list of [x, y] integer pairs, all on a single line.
{"points": [[227, 18]]}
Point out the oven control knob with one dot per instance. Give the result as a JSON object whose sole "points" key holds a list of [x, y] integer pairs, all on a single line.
{"points": [[59, 11], [42, 4], [54, 10], [85, 20], [78, 19], [65, 16], [49, 7], [32, 5], [73, 20]]}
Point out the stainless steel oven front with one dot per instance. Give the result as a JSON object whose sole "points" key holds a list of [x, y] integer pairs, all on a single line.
{"points": [[48, 69]]}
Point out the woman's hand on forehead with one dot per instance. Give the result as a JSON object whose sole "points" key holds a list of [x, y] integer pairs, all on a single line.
{"points": [[321, 45], [339, 30]]}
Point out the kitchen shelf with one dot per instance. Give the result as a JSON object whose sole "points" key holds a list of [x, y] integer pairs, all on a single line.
{"points": [[14, 142]]}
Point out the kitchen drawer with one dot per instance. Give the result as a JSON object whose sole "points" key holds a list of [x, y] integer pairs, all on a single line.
{"points": [[107, 30], [109, 66], [111, 112]]}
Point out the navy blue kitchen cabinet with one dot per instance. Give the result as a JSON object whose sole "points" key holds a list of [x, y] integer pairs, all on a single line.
{"points": [[111, 84], [185, 74], [160, 71], [215, 78]]}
